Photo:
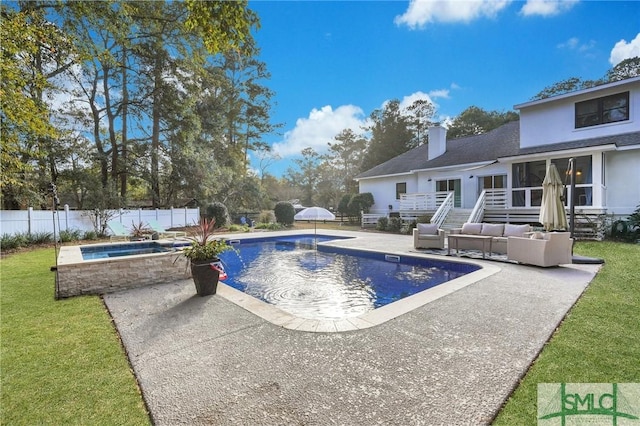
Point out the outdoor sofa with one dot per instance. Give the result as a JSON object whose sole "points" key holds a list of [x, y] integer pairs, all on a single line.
{"points": [[541, 249], [499, 233]]}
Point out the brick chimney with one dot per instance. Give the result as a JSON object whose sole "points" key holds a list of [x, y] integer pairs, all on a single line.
{"points": [[437, 141]]}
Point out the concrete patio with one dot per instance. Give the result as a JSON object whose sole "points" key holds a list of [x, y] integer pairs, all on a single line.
{"points": [[451, 361]]}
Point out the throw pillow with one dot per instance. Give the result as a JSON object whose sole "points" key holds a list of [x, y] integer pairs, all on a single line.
{"points": [[472, 228], [515, 230], [537, 236], [428, 228], [492, 229]]}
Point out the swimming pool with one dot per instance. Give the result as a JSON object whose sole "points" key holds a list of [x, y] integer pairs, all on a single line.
{"points": [[331, 282], [125, 249]]}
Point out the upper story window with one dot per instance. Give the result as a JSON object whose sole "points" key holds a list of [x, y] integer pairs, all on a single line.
{"points": [[608, 109]]}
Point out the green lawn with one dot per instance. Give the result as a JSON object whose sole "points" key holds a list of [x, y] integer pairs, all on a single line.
{"points": [[599, 340], [61, 361]]}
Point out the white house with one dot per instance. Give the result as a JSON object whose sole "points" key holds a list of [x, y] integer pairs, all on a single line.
{"points": [[497, 176]]}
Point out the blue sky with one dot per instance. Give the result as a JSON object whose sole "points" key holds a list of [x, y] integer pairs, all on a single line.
{"points": [[333, 62]]}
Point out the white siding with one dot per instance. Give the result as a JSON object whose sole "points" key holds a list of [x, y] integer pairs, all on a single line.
{"points": [[554, 121]]}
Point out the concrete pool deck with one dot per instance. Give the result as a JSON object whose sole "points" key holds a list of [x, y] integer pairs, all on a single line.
{"points": [[451, 361]]}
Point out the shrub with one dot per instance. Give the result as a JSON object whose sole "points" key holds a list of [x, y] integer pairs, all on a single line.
{"points": [[90, 235], [40, 238], [284, 213], [383, 223], [13, 241], [267, 216], [239, 228], [395, 224], [343, 205], [70, 235], [269, 226], [219, 212], [360, 202]]}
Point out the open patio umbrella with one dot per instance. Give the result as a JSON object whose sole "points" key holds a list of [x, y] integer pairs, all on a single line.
{"points": [[552, 213], [315, 214]]}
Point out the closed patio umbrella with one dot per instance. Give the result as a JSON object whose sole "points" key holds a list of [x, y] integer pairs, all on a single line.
{"points": [[552, 213]]}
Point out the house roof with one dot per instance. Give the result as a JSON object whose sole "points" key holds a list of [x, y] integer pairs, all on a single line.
{"points": [[574, 93], [500, 143]]}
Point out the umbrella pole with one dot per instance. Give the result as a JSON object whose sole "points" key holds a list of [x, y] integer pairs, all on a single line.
{"points": [[572, 199]]}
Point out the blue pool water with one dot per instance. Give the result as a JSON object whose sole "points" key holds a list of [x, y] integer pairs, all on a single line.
{"points": [[117, 250], [331, 282]]}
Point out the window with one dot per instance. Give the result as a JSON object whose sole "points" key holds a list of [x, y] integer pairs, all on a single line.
{"points": [[491, 182], [608, 109], [401, 188], [584, 178], [527, 183], [451, 185]]}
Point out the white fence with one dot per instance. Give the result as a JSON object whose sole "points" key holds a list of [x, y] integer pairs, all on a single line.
{"points": [[36, 221]]}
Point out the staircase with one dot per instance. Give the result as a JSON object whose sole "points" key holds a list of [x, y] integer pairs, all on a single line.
{"points": [[456, 218]]}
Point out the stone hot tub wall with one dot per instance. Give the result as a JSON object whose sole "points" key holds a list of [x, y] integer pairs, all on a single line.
{"points": [[77, 276]]}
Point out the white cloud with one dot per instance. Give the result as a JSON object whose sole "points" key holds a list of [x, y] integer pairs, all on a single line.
{"points": [[623, 50], [574, 43], [410, 99], [546, 7], [422, 12], [319, 128]]}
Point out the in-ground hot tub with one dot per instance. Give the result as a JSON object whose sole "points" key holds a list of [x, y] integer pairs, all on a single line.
{"points": [[104, 268]]}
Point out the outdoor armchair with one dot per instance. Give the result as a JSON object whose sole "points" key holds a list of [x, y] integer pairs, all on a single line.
{"points": [[427, 235]]}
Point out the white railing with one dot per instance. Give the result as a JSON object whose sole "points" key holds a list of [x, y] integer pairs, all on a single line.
{"points": [[496, 199], [34, 221], [422, 202], [371, 218], [478, 209], [441, 214]]}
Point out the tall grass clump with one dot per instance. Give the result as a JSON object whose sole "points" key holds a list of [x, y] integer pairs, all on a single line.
{"points": [[69, 235], [13, 241]]}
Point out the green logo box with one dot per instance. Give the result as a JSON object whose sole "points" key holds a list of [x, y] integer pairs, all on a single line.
{"points": [[578, 404]]}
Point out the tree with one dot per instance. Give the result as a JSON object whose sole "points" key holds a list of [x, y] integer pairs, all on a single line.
{"points": [[345, 158], [33, 51], [307, 176], [391, 135], [476, 121], [626, 69], [223, 25], [421, 113]]}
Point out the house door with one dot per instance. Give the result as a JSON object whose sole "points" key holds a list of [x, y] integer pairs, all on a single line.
{"points": [[451, 185]]}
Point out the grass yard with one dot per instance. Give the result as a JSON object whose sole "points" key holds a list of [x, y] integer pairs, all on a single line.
{"points": [[61, 361], [599, 340]]}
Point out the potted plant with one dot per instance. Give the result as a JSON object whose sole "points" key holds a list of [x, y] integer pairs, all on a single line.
{"points": [[204, 251], [140, 232]]}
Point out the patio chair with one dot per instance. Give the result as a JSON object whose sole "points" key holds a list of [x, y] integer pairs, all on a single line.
{"points": [[427, 235], [156, 227], [118, 231]]}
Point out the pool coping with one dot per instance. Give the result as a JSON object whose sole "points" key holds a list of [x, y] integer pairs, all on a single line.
{"points": [[377, 316]]}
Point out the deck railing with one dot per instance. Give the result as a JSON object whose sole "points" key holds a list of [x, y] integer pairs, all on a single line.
{"points": [[441, 214]]}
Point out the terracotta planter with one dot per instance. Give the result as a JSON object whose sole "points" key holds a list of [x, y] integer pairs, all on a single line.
{"points": [[204, 277]]}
